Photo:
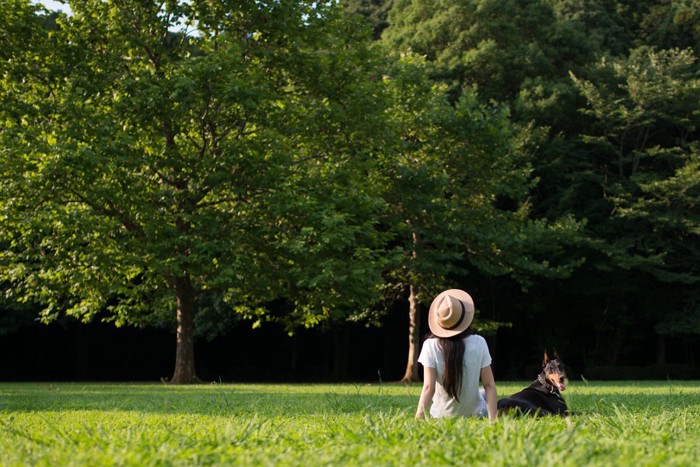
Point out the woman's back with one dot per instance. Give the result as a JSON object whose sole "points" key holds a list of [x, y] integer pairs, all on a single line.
{"points": [[455, 360], [476, 357]]}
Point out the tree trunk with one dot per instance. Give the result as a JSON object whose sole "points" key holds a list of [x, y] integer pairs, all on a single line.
{"points": [[411, 375], [185, 372]]}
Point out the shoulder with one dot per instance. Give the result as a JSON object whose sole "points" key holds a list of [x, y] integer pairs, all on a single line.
{"points": [[476, 339], [431, 342], [477, 343], [429, 354]]}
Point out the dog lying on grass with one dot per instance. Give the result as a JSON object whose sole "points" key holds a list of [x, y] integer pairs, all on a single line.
{"points": [[543, 396]]}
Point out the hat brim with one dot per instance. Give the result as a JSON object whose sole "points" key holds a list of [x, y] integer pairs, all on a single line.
{"points": [[465, 298]]}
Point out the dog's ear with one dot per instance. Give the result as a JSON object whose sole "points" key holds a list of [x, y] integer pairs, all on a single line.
{"points": [[556, 355], [546, 359]]}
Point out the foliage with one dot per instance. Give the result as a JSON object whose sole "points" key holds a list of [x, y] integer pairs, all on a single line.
{"points": [[374, 11], [625, 168], [263, 161], [490, 45], [489, 159], [144, 167], [618, 423], [671, 23], [645, 110], [458, 191]]}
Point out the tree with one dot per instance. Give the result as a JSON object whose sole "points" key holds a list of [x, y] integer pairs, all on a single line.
{"points": [[419, 216], [645, 109], [154, 153], [456, 196]]}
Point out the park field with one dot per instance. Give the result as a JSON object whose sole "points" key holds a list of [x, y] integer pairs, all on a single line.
{"points": [[617, 423]]}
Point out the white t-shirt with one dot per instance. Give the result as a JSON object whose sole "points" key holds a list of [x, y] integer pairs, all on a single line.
{"points": [[471, 400]]}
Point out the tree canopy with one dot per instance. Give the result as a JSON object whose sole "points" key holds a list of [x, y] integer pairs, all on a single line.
{"points": [[146, 165], [188, 164]]}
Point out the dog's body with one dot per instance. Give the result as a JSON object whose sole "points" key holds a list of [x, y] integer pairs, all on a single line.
{"points": [[543, 396]]}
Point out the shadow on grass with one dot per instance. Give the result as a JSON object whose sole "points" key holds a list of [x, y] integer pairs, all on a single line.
{"points": [[269, 400], [307, 399]]}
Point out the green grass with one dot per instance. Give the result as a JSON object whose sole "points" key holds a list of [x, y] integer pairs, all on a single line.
{"points": [[649, 423]]}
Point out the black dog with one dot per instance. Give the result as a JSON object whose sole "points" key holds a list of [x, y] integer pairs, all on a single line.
{"points": [[543, 396]]}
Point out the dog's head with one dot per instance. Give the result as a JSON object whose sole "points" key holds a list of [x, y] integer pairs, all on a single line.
{"points": [[553, 371]]}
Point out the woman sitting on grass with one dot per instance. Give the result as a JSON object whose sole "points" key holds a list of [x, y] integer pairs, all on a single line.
{"points": [[454, 358]]}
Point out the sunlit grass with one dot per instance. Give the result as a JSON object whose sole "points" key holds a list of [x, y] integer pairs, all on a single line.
{"points": [[649, 423]]}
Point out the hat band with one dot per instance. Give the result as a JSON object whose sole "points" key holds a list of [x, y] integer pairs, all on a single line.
{"points": [[461, 318]]}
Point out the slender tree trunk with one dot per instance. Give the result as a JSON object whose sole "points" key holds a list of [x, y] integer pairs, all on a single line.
{"points": [[185, 372], [411, 374]]}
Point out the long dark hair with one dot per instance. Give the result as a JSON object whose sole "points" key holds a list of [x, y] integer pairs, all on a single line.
{"points": [[453, 354]]}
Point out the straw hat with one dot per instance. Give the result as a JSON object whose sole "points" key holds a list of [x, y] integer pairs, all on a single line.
{"points": [[451, 312]]}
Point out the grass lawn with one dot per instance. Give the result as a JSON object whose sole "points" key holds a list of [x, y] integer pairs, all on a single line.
{"points": [[626, 423]]}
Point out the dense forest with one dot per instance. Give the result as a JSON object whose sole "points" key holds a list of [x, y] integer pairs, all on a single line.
{"points": [[298, 179]]}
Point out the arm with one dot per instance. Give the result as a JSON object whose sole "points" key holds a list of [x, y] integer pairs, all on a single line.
{"points": [[426, 395], [490, 388]]}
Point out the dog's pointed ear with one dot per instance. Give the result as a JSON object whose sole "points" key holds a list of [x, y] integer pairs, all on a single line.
{"points": [[546, 359], [556, 355]]}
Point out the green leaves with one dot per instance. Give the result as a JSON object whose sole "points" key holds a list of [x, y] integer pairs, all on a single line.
{"points": [[645, 109], [236, 157]]}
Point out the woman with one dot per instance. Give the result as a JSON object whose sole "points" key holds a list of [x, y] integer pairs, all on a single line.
{"points": [[454, 359]]}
